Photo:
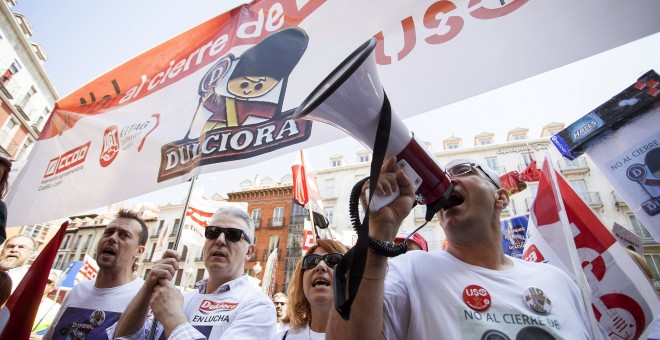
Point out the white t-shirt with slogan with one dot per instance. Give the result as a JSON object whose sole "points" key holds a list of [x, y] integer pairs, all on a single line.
{"points": [[435, 295]]}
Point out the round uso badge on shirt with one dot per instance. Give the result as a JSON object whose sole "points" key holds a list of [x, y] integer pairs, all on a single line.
{"points": [[536, 300], [476, 297]]}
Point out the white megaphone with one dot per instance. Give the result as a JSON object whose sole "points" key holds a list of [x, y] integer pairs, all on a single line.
{"points": [[351, 99]]}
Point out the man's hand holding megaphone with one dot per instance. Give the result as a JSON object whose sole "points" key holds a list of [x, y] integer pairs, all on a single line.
{"points": [[392, 182]]}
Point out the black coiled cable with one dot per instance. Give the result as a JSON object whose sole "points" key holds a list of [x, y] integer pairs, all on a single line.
{"points": [[389, 249]]}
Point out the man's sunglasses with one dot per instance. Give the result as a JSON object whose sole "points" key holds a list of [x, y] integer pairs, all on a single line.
{"points": [[231, 234], [462, 169], [312, 260]]}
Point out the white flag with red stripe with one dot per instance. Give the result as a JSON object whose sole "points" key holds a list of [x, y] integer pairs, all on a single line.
{"points": [[198, 214], [308, 237], [88, 270], [623, 300]]}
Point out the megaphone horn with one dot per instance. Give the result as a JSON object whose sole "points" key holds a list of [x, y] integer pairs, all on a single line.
{"points": [[352, 99]]}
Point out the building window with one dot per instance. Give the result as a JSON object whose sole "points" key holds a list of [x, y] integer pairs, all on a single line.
{"points": [[160, 227], [329, 188], [200, 274], [520, 137], [580, 188], [452, 146], [36, 231], [653, 260], [88, 242], [492, 163], [256, 217], [485, 141], [58, 262], [66, 242], [336, 163], [15, 67], [8, 132], [274, 244], [527, 158], [640, 229], [363, 158], [330, 214], [175, 228], [278, 216], [75, 245]]}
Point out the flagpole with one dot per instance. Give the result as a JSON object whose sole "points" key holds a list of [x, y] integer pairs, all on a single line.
{"points": [[152, 334], [572, 250], [309, 198], [185, 209]]}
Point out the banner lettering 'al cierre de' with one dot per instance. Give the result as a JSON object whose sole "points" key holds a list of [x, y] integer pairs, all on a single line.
{"points": [[220, 95], [623, 300]]}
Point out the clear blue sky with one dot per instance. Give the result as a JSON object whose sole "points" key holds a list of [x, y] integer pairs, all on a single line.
{"points": [[84, 39]]}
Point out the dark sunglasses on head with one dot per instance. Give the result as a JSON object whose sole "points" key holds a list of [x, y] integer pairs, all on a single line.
{"points": [[312, 260], [231, 234]]}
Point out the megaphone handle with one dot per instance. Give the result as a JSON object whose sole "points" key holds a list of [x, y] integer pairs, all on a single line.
{"points": [[379, 201]]}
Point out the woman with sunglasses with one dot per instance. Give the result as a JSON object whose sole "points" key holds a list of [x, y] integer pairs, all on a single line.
{"points": [[311, 294]]}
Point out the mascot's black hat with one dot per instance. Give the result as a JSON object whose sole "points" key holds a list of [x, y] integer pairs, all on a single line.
{"points": [[275, 56]]}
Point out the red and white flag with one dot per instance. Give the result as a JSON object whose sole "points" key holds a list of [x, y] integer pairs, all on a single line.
{"points": [[565, 232], [308, 237], [88, 270], [17, 316], [306, 188]]}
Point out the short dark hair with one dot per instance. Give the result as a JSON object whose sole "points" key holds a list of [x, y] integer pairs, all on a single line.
{"points": [[134, 215]]}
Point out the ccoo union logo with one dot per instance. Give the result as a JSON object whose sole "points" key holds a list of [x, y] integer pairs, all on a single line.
{"points": [[210, 306], [67, 160]]}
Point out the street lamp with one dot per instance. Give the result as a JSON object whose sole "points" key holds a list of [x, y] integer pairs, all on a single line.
{"points": [[257, 268]]}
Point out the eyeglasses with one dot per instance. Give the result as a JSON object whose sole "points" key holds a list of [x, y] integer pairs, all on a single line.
{"points": [[312, 260], [462, 169], [19, 247], [231, 234], [279, 303]]}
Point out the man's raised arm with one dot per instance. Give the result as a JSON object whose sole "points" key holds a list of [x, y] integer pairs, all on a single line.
{"points": [[366, 319]]}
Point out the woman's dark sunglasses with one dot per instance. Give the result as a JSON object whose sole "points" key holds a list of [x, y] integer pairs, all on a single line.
{"points": [[312, 260], [231, 234]]}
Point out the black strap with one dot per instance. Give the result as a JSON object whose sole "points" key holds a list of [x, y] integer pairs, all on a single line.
{"points": [[285, 334], [355, 259]]}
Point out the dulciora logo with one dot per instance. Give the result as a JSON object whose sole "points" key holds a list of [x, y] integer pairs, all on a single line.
{"points": [[239, 114], [210, 306]]}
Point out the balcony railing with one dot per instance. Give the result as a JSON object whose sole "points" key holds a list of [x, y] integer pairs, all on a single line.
{"points": [[618, 201], [276, 222], [9, 144], [26, 109], [267, 253], [9, 87], [591, 198], [575, 166]]}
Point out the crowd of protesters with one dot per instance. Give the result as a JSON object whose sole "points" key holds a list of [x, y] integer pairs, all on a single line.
{"points": [[471, 289]]}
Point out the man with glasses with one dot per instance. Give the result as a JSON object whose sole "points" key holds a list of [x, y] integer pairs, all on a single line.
{"points": [[225, 305], [14, 257], [470, 291], [280, 301]]}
